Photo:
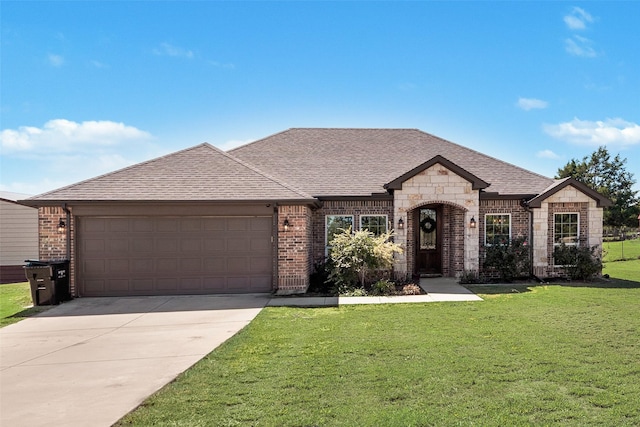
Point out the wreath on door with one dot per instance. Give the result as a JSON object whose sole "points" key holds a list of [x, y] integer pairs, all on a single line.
{"points": [[428, 225]]}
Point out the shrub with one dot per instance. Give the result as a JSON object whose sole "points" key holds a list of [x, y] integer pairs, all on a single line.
{"points": [[353, 255], [319, 280], [469, 277], [383, 287], [511, 261], [578, 262], [411, 289]]}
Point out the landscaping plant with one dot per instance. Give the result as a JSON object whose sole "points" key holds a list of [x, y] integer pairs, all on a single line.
{"points": [[578, 262], [511, 260], [354, 255]]}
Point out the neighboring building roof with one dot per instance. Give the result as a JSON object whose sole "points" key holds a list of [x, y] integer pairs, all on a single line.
{"points": [[558, 185], [359, 162], [200, 173], [13, 197]]}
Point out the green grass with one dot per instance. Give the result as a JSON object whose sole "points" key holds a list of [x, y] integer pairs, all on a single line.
{"points": [[540, 355], [627, 249], [16, 304]]}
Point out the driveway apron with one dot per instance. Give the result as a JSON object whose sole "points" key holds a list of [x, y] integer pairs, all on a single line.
{"points": [[90, 361]]}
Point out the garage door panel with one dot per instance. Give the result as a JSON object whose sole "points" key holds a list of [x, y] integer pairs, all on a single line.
{"points": [[191, 245], [237, 244], [117, 225], [118, 245], [174, 255], [142, 285]]}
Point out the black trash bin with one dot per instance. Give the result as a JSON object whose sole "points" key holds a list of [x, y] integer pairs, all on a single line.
{"points": [[49, 281]]}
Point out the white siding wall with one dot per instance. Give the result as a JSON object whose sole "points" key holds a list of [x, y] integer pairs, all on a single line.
{"points": [[18, 233]]}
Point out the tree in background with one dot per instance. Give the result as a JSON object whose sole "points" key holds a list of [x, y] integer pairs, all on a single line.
{"points": [[610, 178]]}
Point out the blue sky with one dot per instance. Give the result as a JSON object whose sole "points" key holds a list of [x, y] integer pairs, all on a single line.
{"points": [[90, 87]]}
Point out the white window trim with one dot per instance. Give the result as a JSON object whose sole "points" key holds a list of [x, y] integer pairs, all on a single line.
{"points": [[386, 220], [554, 228], [326, 230], [496, 214]]}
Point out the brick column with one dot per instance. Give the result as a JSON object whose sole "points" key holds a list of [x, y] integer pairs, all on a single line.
{"points": [[294, 249], [52, 245]]}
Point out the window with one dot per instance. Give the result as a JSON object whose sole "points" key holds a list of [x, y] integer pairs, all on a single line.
{"points": [[497, 229], [377, 224], [334, 225], [565, 229]]}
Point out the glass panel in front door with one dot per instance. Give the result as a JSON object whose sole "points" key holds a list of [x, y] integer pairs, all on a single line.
{"points": [[428, 229]]}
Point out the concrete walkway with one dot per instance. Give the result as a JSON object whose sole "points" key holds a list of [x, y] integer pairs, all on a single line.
{"points": [[90, 361], [439, 289]]}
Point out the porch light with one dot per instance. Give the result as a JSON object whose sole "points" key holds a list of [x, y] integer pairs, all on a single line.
{"points": [[401, 224], [286, 224], [472, 223], [61, 226]]}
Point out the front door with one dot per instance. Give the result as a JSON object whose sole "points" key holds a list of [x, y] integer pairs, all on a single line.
{"points": [[428, 240]]}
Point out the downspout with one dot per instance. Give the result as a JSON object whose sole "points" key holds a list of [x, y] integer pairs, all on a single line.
{"points": [[68, 229]]}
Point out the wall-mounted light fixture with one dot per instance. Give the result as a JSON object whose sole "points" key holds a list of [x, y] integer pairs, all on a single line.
{"points": [[61, 226], [401, 224], [472, 223], [286, 224]]}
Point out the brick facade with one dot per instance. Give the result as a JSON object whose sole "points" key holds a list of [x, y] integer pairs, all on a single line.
{"points": [[520, 223], [295, 262], [346, 207], [52, 245]]}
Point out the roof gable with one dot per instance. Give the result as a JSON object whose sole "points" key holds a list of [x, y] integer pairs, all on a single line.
{"points": [[602, 201], [200, 173], [476, 183]]}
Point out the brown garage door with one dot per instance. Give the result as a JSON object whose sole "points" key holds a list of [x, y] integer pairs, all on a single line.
{"points": [[174, 255]]}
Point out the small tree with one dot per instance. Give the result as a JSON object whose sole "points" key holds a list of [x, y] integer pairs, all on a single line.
{"points": [[353, 255]]}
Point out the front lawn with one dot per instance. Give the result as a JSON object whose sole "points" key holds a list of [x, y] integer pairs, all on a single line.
{"points": [[539, 355], [16, 304]]}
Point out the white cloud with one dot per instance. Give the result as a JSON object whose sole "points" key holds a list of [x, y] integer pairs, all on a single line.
{"points": [[37, 187], [578, 19], [610, 131], [580, 46], [227, 65], [55, 60], [547, 154], [62, 135], [531, 104], [167, 49]]}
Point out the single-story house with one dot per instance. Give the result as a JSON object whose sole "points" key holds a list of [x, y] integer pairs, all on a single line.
{"points": [[18, 236], [257, 218]]}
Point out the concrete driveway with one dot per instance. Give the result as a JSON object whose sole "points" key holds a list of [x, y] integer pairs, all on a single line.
{"points": [[90, 361]]}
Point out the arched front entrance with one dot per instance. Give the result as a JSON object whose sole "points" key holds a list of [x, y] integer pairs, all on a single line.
{"points": [[436, 239], [428, 238]]}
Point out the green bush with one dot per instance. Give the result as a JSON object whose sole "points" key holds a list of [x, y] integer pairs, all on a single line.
{"points": [[354, 255], [383, 287], [511, 261], [469, 277], [578, 262]]}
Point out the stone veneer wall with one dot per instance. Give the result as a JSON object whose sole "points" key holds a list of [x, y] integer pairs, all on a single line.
{"points": [[433, 186], [295, 263], [568, 200], [520, 223], [52, 245], [346, 207]]}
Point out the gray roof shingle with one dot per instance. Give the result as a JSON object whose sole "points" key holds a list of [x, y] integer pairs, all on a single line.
{"points": [[359, 162], [200, 173]]}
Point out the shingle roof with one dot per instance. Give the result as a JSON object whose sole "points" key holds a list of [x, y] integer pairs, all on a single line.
{"points": [[565, 182], [359, 162], [200, 173]]}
